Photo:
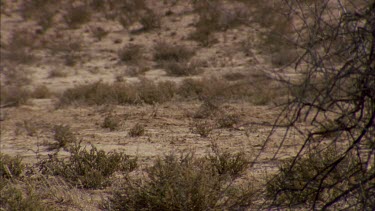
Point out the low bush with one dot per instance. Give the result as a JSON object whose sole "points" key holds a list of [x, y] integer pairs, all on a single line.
{"points": [[88, 168], [181, 183]]}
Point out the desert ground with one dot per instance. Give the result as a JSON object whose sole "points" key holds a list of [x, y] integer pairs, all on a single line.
{"points": [[214, 92]]}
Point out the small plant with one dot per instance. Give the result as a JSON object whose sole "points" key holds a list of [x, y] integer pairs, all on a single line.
{"points": [[203, 128], [88, 168], [63, 136], [181, 183], [10, 167], [137, 130], [131, 53], [77, 16], [111, 122]]}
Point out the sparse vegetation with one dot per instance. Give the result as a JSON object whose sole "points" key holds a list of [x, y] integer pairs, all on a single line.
{"points": [[14, 199], [10, 167], [41, 92], [76, 16], [202, 128], [13, 96], [228, 120], [88, 168], [131, 54], [111, 122], [181, 183], [64, 136], [137, 130]]}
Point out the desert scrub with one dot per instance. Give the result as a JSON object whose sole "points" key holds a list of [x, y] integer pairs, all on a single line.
{"points": [[131, 53], [202, 128], [10, 167], [41, 92], [63, 136], [13, 95], [181, 183], [175, 59], [137, 130], [215, 16], [13, 198], [295, 186], [228, 120], [90, 169], [111, 122], [76, 16], [99, 93], [150, 92], [164, 51]]}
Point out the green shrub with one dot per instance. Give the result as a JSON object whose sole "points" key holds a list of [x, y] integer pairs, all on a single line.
{"points": [[88, 168], [10, 166], [181, 183]]}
